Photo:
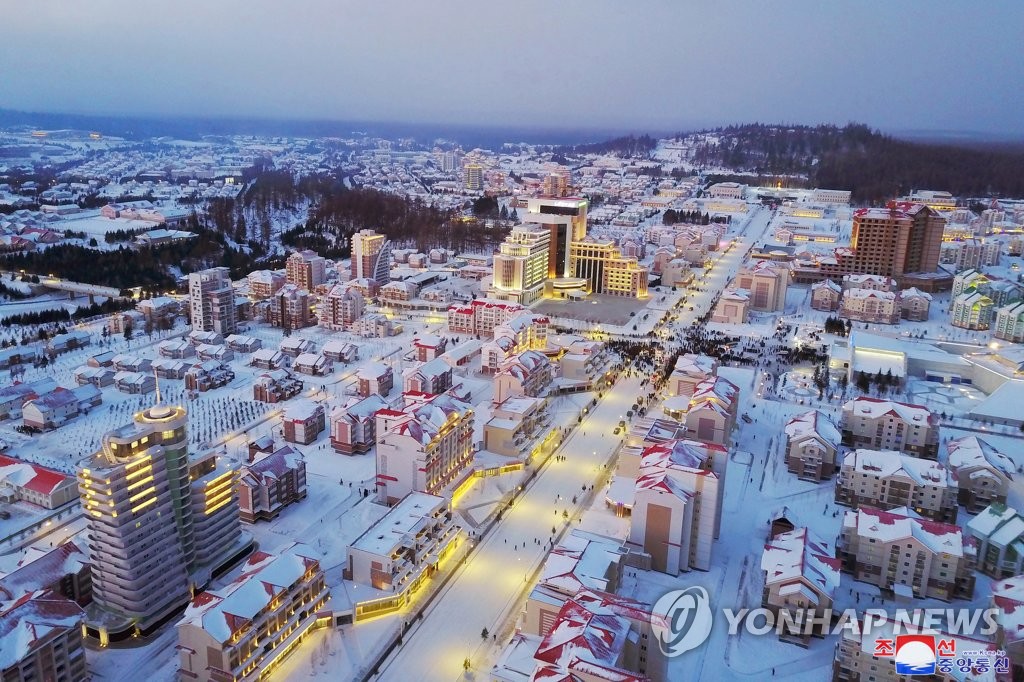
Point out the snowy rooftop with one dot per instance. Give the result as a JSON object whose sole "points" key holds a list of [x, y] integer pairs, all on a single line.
{"points": [[31, 619], [887, 463], [42, 572], [39, 479], [693, 364], [875, 407], [580, 560], [801, 554], [1000, 525], [225, 611], [813, 423], [403, 521], [891, 526], [970, 452]]}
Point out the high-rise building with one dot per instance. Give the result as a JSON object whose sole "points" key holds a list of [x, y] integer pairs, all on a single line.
{"points": [[555, 185], [212, 301], [606, 269], [159, 523], [896, 241], [340, 308], [306, 269], [371, 257], [566, 221], [521, 268], [289, 308], [474, 174]]}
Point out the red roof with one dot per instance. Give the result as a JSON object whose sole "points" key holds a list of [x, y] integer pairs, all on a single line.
{"points": [[44, 481]]}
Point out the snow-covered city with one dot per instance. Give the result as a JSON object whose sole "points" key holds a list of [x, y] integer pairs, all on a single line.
{"points": [[295, 400]]}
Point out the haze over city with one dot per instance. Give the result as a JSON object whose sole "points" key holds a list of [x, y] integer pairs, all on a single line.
{"points": [[668, 66]]}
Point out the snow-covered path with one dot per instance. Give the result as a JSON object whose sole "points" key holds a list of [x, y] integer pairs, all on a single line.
{"points": [[484, 594]]}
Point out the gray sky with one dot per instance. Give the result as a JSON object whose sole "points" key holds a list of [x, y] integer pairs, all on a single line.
{"points": [[894, 64]]}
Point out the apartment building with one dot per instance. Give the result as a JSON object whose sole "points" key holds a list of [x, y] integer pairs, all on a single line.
{"points": [[275, 386], [521, 266], [1009, 324], [245, 629], [527, 374], [812, 444], [915, 304], [690, 370], [270, 484], [801, 575], [825, 295], [982, 473], [353, 425], [514, 424], [874, 307], [423, 445], [41, 639], [340, 308], [481, 316], [711, 413], [406, 546], [434, 376], [306, 270], [371, 257], [676, 513], [767, 282], [998, 531], [289, 308], [889, 425], [265, 283], [303, 421], [907, 556], [212, 301], [158, 522], [972, 310], [886, 479]]}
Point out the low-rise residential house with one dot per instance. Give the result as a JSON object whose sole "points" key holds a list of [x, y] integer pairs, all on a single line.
{"points": [[267, 358], [51, 410], [166, 368], [375, 378], [211, 338], [275, 386], [268, 485], [907, 556], [353, 425], [135, 382], [886, 479], [104, 359], [869, 281], [243, 630], [97, 376], [17, 355], [176, 349], [294, 346], [825, 295], [463, 354], [915, 305], [375, 326], [206, 352], [243, 344], [303, 422], [981, 472], [41, 639], [337, 350], [812, 443], [425, 445], [398, 292], [65, 570], [14, 397], [677, 506], [890, 425], [208, 375], [131, 363], [999, 532], [801, 575], [26, 482], [312, 364], [434, 376], [62, 343], [159, 308]]}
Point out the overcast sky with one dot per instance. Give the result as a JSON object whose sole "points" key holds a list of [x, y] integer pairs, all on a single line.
{"points": [[662, 65]]}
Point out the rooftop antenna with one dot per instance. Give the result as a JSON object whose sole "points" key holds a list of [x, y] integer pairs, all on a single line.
{"points": [[158, 410]]}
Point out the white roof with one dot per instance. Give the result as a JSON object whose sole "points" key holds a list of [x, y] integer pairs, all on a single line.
{"points": [[397, 527], [875, 407], [801, 554], [891, 527], [887, 463], [971, 451], [813, 423]]}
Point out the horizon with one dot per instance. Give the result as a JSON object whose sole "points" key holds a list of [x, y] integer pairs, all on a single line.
{"points": [[593, 65]]}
